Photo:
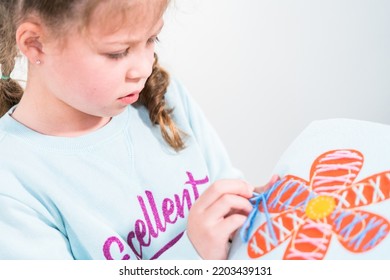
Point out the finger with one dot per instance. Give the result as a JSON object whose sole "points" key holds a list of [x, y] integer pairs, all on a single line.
{"points": [[227, 205], [271, 182], [234, 233], [222, 187], [230, 225]]}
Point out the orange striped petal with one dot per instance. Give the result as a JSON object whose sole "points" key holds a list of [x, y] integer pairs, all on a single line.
{"points": [[335, 170], [373, 189], [359, 231], [273, 232], [310, 242], [289, 193]]}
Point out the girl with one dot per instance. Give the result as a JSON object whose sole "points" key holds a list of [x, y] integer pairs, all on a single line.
{"points": [[83, 174]]}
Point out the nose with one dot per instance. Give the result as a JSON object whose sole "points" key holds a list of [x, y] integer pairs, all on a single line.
{"points": [[140, 65]]}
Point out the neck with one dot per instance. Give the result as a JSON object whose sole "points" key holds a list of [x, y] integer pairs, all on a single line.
{"points": [[55, 118]]}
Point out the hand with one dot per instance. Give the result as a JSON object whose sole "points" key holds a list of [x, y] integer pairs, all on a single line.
{"points": [[271, 182], [216, 215], [262, 189]]}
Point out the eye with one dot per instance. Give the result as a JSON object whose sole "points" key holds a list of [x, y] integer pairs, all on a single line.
{"points": [[118, 55], [153, 40]]}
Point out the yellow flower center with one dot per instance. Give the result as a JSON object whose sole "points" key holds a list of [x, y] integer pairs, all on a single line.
{"points": [[320, 207]]}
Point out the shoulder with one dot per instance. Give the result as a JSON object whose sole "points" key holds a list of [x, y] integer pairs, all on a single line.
{"points": [[185, 108], [177, 94], [2, 128], [4, 145], [176, 87], [2, 135], [7, 126]]}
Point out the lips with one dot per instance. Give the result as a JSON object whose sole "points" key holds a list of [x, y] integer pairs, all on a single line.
{"points": [[130, 98]]}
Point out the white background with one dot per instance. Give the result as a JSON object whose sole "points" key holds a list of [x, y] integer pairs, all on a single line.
{"points": [[262, 70]]}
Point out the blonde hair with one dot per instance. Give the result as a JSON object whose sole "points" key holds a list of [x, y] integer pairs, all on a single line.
{"points": [[58, 15], [10, 90]]}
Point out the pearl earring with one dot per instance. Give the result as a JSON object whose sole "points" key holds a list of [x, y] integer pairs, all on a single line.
{"points": [[37, 62]]}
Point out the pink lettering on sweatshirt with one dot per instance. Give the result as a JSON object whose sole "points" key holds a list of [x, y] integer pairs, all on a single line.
{"points": [[156, 218]]}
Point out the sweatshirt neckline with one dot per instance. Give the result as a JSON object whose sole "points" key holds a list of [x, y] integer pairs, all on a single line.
{"points": [[25, 134]]}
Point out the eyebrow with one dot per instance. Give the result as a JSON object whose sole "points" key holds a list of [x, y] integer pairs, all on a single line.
{"points": [[129, 42]]}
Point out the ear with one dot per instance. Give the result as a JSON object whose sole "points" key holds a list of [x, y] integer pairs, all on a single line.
{"points": [[29, 38]]}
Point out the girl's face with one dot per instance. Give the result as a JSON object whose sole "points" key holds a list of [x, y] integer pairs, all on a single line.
{"points": [[101, 71]]}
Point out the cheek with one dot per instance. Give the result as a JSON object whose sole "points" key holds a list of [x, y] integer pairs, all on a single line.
{"points": [[83, 82], [97, 88], [150, 60], [95, 79]]}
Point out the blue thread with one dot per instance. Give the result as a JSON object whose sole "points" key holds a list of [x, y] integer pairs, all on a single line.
{"points": [[263, 198], [382, 232], [274, 202], [300, 189], [5, 78], [304, 203], [359, 238], [346, 231], [269, 223], [340, 219], [256, 200], [287, 203], [282, 192], [247, 226]]}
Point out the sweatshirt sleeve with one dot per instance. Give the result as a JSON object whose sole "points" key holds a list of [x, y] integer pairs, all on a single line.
{"points": [[25, 234], [27, 229], [213, 150]]}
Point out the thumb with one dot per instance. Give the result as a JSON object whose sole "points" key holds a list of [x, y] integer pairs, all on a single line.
{"points": [[270, 183]]}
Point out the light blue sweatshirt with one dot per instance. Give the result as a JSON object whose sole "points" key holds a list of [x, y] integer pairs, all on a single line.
{"points": [[117, 193]]}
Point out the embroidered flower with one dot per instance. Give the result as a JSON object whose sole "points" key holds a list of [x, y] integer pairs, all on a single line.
{"points": [[329, 204]]}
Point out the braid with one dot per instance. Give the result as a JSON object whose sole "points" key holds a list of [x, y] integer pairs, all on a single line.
{"points": [[152, 97], [10, 90]]}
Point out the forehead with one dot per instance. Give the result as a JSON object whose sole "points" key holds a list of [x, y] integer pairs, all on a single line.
{"points": [[135, 16]]}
